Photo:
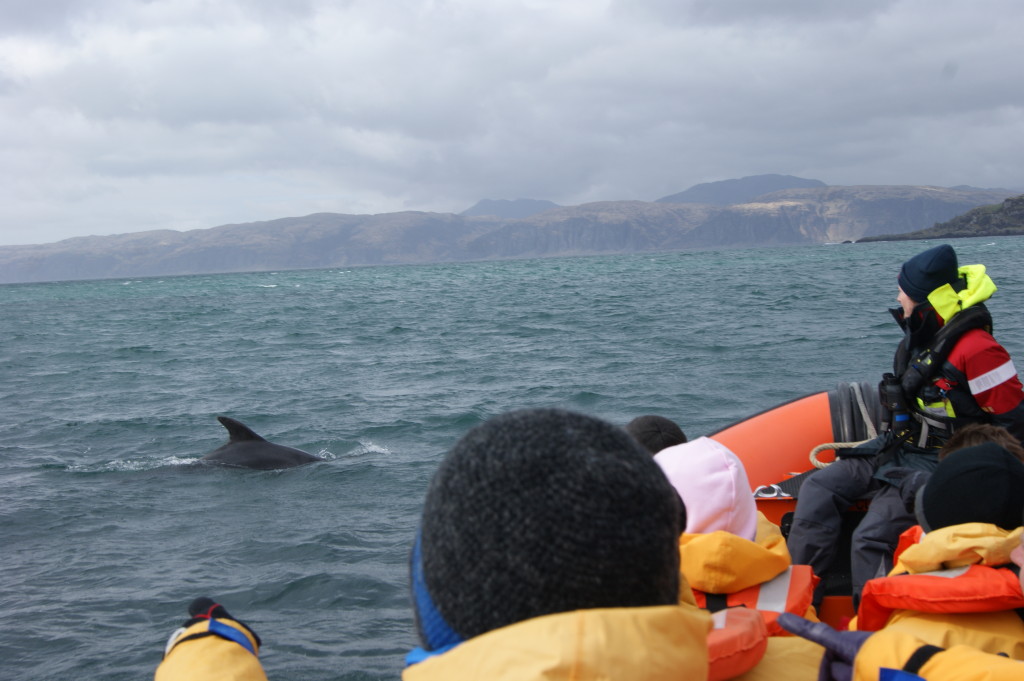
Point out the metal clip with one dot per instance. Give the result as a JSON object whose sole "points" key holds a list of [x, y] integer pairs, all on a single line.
{"points": [[769, 492]]}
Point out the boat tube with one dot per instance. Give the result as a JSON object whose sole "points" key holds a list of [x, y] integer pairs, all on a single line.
{"points": [[783, 445]]}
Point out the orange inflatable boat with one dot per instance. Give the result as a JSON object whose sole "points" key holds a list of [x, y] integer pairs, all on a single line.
{"points": [[776, 448]]}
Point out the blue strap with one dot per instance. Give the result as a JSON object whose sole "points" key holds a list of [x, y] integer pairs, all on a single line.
{"points": [[417, 655], [231, 634], [886, 674], [437, 632]]}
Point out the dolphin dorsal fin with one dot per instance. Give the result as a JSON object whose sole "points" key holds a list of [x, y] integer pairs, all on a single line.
{"points": [[238, 431]]}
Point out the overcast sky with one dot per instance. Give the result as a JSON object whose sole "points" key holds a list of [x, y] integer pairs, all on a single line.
{"points": [[129, 115]]}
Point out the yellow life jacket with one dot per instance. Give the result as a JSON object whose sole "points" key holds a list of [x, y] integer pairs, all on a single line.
{"points": [[656, 643], [891, 649], [200, 653]]}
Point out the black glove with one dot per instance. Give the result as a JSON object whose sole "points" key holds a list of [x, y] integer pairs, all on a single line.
{"points": [[841, 647]]}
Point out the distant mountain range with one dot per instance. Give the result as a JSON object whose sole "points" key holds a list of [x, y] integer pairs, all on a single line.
{"points": [[801, 212]]}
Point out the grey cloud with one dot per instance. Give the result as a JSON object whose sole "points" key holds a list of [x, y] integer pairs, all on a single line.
{"points": [[751, 12], [147, 112], [18, 16]]}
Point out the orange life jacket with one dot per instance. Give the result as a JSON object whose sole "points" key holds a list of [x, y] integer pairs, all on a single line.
{"points": [[791, 591], [736, 643], [968, 589], [907, 539]]}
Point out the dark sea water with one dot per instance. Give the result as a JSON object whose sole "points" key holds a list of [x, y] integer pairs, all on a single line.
{"points": [[110, 391]]}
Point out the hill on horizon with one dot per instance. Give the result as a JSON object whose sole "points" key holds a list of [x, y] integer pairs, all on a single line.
{"points": [[743, 190], [510, 210], [1001, 219], [795, 216]]}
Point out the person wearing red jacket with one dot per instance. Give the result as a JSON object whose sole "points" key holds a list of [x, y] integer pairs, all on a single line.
{"points": [[948, 371]]}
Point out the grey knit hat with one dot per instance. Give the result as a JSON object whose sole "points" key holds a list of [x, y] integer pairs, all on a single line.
{"points": [[538, 512]]}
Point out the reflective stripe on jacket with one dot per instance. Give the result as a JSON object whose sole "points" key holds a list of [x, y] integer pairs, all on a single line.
{"points": [[977, 381]]}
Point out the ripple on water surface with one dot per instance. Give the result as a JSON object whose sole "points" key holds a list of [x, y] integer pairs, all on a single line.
{"points": [[111, 392]]}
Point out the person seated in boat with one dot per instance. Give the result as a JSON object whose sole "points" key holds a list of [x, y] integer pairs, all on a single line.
{"points": [[655, 432], [548, 543], [948, 371], [211, 645], [980, 433], [898, 656], [730, 553], [969, 436], [733, 556], [955, 584], [980, 484]]}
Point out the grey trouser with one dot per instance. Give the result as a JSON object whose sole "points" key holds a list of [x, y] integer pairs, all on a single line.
{"points": [[822, 499]]}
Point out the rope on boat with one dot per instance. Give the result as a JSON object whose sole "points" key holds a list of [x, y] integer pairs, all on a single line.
{"points": [[832, 445], [869, 425]]}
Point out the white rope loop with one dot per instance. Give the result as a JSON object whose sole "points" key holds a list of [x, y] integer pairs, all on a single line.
{"points": [[868, 421]]}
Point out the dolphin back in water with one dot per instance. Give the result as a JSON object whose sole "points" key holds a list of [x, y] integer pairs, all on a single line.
{"points": [[246, 449]]}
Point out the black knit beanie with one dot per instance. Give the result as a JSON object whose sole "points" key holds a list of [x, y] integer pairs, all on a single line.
{"points": [[927, 271], [656, 432], [980, 484], [538, 512]]}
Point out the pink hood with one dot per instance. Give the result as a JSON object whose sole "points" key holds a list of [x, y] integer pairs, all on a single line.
{"points": [[714, 486]]}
